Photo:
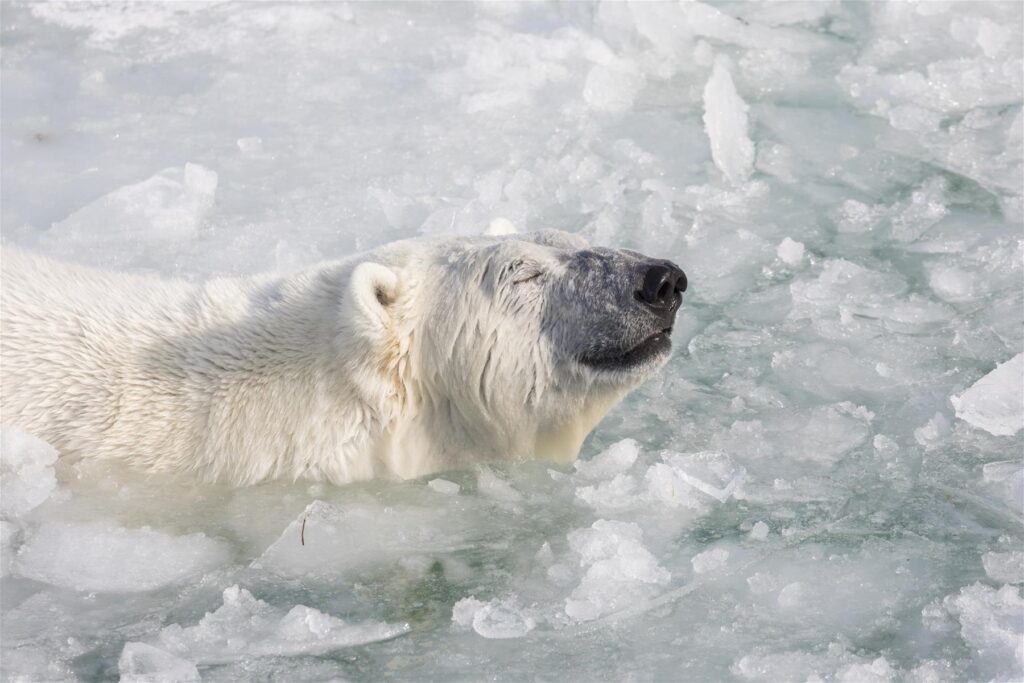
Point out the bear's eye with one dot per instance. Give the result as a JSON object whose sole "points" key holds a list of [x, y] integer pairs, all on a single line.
{"points": [[527, 277]]}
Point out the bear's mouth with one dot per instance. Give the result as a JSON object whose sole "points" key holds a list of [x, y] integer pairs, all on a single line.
{"points": [[657, 344]]}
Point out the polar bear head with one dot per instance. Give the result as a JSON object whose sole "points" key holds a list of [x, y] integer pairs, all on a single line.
{"points": [[499, 347]]}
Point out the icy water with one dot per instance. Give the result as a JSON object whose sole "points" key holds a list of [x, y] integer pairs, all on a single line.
{"points": [[811, 490]]}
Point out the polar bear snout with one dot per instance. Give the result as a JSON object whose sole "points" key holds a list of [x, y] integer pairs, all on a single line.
{"points": [[661, 287]]}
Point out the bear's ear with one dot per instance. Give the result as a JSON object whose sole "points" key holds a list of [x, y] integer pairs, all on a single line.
{"points": [[372, 291]]}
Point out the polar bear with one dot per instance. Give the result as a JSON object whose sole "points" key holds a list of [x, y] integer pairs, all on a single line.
{"points": [[420, 356]]}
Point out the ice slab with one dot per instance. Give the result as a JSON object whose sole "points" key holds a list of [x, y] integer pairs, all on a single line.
{"points": [[725, 120], [995, 402], [244, 626], [142, 663], [318, 543], [100, 556], [26, 471]]}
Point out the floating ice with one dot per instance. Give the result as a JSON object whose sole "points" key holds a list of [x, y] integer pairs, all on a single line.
{"points": [[1004, 567], [887, 140], [448, 488], [142, 663], [164, 209], [790, 252], [318, 543], [759, 531], [1005, 478], [26, 466], [497, 619], [711, 473], [992, 624], [614, 460], [247, 627], [725, 120], [99, 556], [619, 569], [709, 560], [995, 402]]}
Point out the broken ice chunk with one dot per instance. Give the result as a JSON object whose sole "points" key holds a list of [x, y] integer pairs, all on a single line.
{"points": [[244, 626], [790, 252], [99, 556], [1004, 567], [620, 570], [709, 560], [995, 402], [448, 488], [725, 120], [142, 663], [713, 474], [991, 624], [759, 531], [27, 468], [497, 619], [614, 460], [164, 209]]}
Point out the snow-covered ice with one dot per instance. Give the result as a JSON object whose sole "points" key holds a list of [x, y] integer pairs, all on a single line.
{"points": [[825, 482]]}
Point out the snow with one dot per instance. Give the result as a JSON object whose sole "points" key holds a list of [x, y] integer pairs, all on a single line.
{"points": [[995, 402], [824, 483]]}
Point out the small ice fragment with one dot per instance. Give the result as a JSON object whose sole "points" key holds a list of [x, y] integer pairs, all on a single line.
{"points": [[932, 433], [490, 484], [791, 595], [1004, 567], [790, 252], [142, 663], [500, 226], [614, 460], [709, 560], [725, 120], [497, 619], [448, 488], [995, 402], [26, 471], [759, 531], [250, 147]]}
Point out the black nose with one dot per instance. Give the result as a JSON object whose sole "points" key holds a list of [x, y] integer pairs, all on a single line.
{"points": [[663, 285]]}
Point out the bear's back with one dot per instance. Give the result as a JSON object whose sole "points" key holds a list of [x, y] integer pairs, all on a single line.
{"points": [[67, 333]]}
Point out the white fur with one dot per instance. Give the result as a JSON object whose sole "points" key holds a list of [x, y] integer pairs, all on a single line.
{"points": [[392, 363]]}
